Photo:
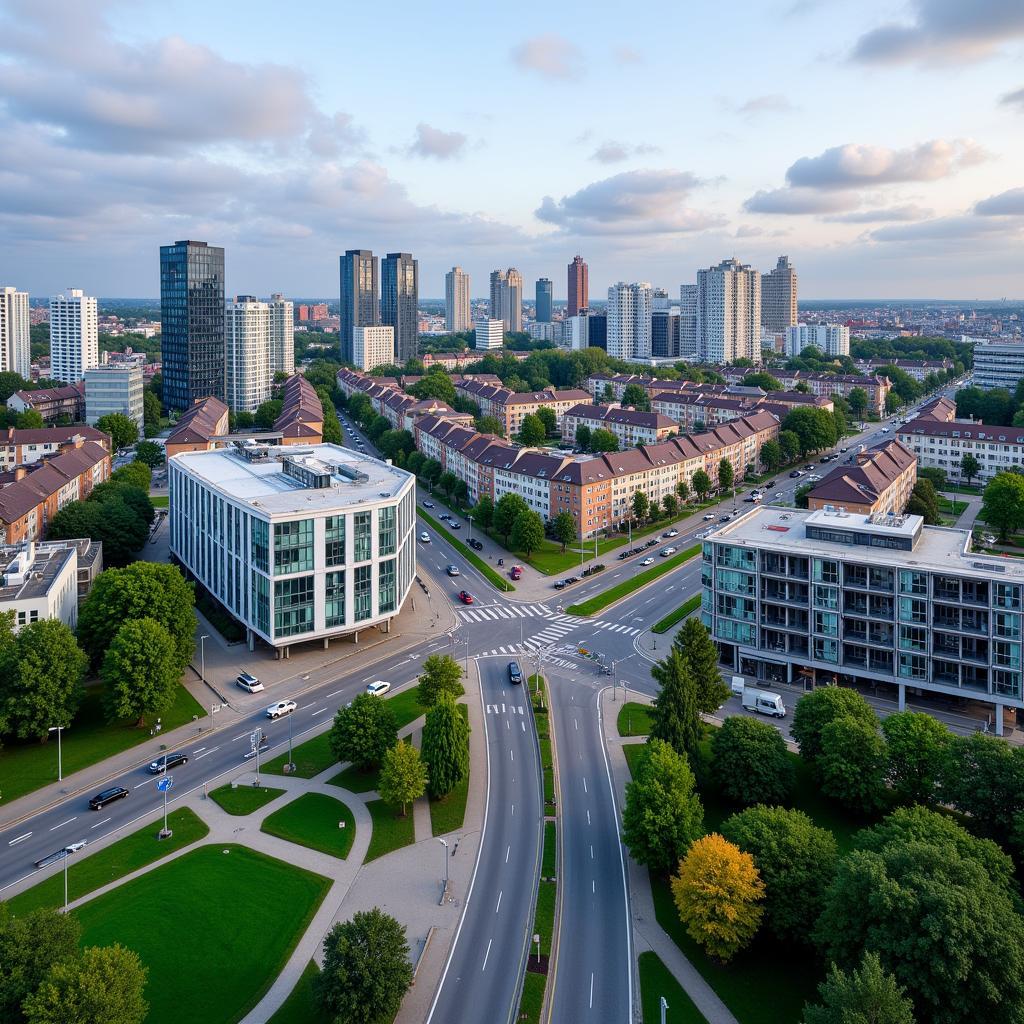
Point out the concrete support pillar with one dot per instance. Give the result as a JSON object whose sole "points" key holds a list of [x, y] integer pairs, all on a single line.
{"points": [[355, 637], [902, 687], [327, 643], [250, 639], [999, 719], [287, 653]]}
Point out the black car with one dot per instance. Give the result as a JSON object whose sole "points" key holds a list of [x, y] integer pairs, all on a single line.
{"points": [[107, 796], [560, 585], [166, 761], [770, 484], [653, 543], [795, 474], [515, 673]]}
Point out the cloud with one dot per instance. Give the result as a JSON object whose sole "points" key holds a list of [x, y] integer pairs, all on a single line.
{"points": [[551, 56], [944, 31], [1014, 99], [1005, 204], [748, 231], [772, 104], [909, 212], [631, 202], [797, 201], [947, 229], [615, 152], [627, 55], [433, 142]]}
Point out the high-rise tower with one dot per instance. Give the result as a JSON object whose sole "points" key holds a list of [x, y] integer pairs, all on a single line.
{"points": [[400, 299], [579, 286], [360, 297], [456, 300], [778, 297]]}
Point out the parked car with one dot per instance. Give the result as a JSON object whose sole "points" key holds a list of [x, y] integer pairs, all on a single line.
{"points": [[452, 570], [709, 517], [809, 467], [672, 533], [647, 561], [515, 673], [771, 483], [165, 761], [107, 796], [465, 597], [425, 537], [282, 707], [652, 543], [724, 519], [476, 544], [378, 688], [428, 504], [249, 683], [454, 524], [795, 474], [559, 584], [516, 572]]}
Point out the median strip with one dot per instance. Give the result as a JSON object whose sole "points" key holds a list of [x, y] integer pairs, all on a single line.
{"points": [[665, 624], [499, 581]]}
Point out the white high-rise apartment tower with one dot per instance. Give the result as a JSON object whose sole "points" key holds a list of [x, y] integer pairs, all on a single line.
{"points": [[456, 300], [15, 348], [729, 313], [778, 297], [507, 298], [74, 335], [282, 335], [373, 346], [688, 321], [247, 353], [830, 339], [629, 320]]}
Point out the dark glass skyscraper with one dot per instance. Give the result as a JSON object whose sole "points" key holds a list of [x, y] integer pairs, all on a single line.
{"points": [[192, 322], [399, 302], [360, 297], [544, 296]]}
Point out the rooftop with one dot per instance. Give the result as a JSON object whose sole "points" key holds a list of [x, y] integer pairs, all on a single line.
{"points": [[28, 571]]}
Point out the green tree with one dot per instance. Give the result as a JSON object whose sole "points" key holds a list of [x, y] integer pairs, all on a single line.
{"points": [[527, 532], [701, 484], [789, 444], [483, 512], [683, 490], [140, 671], [531, 431], [924, 502], [814, 711], [800, 495], [41, 679], [123, 430], [564, 528], [448, 482], [583, 437], [103, 986], [641, 506], [916, 751], [150, 453], [136, 473], [547, 417], [378, 428], [508, 509], [445, 746], [852, 763], [750, 763], [436, 384], [366, 970], [935, 474], [141, 590], [969, 467], [363, 732], [461, 493], [267, 413], [30, 945], [1002, 505], [634, 395], [490, 425], [30, 419], [675, 717], [441, 674], [414, 462], [663, 813], [134, 497], [771, 455], [857, 400], [725, 475], [763, 380], [867, 995], [119, 527], [11, 382], [403, 776], [671, 504], [983, 777], [797, 862], [432, 471], [815, 428], [699, 652], [602, 440], [151, 410]]}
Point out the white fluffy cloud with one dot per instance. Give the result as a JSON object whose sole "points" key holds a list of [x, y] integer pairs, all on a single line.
{"points": [[1005, 204], [549, 55], [433, 142], [797, 201]]}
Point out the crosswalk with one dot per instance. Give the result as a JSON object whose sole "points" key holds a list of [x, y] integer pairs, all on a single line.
{"points": [[560, 624]]}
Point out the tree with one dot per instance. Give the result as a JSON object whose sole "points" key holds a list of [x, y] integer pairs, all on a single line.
{"points": [[403, 776], [506, 512], [30, 945], [461, 493], [815, 428], [432, 470], [868, 995], [816, 710], [701, 484], [137, 473], [366, 970], [564, 528], [893, 402], [547, 417], [1002, 505], [133, 496], [857, 400], [641, 506], [141, 590], [531, 431], [750, 763], [123, 430], [150, 453], [151, 410], [969, 467], [583, 437], [725, 475], [675, 717], [396, 445], [527, 532], [916, 746], [789, 443], [378, 428], [935, 474], [483, 512], [118, 526], [41, 679], [699, 652], [718, 894], [771, 455], [445, 746], [635, 396], [490, 425], [11, 382], [663, 813], [30, 419], [671, 505], [441, 674], [983, 777], [447, 482], [683, 490], [852, 763], [796, 860], [363, 732], [602, 440], [140, 671], [102, 986], [800, 495], [436, 384], [763, 380], [924, 502]]}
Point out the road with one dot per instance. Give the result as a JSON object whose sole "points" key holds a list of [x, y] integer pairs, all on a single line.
{"points": [[483, 977]]}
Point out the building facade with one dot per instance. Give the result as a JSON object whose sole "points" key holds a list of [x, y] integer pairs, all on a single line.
{"points": [[688, 321], [22, 447], [829, 339], [507, 298], [942, 444], [488, 335], [578, 286], [15, 336], [373, 346], [879, 480], [74, 335], [665, 332], [779, 297], [360, 298], [628, 425], [456, 300], [114, 388], [52, 404], [247, 347], [544, 301], [298, 544], [399, 303], [729, 313], [282, 334], [40, 581], [629, 320], [998, 364]]}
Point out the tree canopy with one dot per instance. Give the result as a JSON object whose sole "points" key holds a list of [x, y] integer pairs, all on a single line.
{"points": [[363, 732], [403, 775], [441, 674], [750, 763], [675, 717], [445, 746], [140, 671]]}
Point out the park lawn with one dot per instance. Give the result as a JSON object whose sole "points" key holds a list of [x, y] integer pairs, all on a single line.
{"points": [[633, 752], [690, 605], [311, 758], [214, 927], [532, 1000], [241, 800], [448, 813], [406, 707], [27, 765], [951, 507], [128, 854], [656, 980], [301, 1006], [313, 820], [355, 780], [634, 719], [549, 866], [160, 500], [390, 830]]}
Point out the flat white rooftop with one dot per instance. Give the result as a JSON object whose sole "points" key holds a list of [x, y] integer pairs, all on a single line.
{"points": [[260, 478]]}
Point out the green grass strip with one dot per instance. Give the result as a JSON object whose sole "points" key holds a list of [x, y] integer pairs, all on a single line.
{"points": [[627, 587], [448, 813], [544, 916], [531, 1002], [468, 553], [314, 820], [390, 830], [301, 1006], [688, 606], [657, 981], [311, 758], [549, 869], [355, 780], [633, 752], [134, 851], [243, 799], [634, 719]]}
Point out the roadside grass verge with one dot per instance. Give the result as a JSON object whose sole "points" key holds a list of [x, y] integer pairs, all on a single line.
{"points": [[160, 500], [390, 830], [311, 758], [656, 980], [634, 719], [201, 898], [633, 752], [686, 608], [301, 1006], [95, 870], [405, 706], [549, 867], [540, 718], [467, 552], [27, 765], [532, 1000], [627, 587], [316, 821], [243, 799], [355, 780]]}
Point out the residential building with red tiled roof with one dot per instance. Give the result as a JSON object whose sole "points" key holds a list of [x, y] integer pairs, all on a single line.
{"points": [[630, 426], [52, 403], [23, 447], [880, 480], [198, 426]]}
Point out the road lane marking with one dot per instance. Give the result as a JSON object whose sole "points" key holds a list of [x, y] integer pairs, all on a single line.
{"points": [[507, 852], [591, 990], [486, 955], [19, 839], [63, 823], [335, 694], [585, 784], [235, 739], [141, 784], [198, 750], [499, 902], [591, 851], [210, 751], [588, 816], [320, 712], [523, 726], [575, 723], [593, 885], [511, 755], [513, 810], [98, 823]]}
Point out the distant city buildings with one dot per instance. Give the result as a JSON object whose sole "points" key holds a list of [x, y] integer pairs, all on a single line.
{"points": [[114, 388], [489, 335], [15, 337], [317, 311], [456, 300], [998, 364], [829, 339], [74, 335], [779, 297], [729, 313], [688, 321], [507, 298], [579, 286], [247, 345], [360, 298], [373, 346], [665, 319], [544, 300], [282, 334], [400, 298], [629, 320]]}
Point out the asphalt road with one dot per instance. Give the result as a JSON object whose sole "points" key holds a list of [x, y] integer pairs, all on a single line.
{"points": [[483, 977]]}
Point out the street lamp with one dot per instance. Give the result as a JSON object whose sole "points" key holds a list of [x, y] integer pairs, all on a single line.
{"points": [[65, 854], [664, 1007], [58, 729], [202, 655], [444, 843], [470, 519]]}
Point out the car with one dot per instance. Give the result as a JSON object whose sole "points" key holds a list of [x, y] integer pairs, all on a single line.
{"points": [[560, 585], [282, 707], [809, 467], [700, 535], [795, 474], [771, 483], [452, 570], [249, 683], [709, 517], [672, 533], [465, 597], [107, 796], [651, 544], [665, 552], [165, 761], [751, 499], [454, 524], [647, 561], [885, 430], [476, 544], [515, 673], [425, 537], [516, 572], [725, 519], [444, 517], [843, 451], [378, 688], [428, 504]]}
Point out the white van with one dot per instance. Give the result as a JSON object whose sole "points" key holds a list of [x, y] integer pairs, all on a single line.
{"points": [[764, 702]]}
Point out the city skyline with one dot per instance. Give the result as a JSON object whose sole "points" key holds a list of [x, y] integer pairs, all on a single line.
{"points": [[886, 165]]}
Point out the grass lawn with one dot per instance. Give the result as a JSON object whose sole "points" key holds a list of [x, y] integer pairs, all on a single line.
{"points": [[549, 865], [688, 606], [950, 507], [531, 1002], [355, 780], [312, 820], [26, 765], [634, 719], [467, 552], [187, 921], [627, 587], [405, 706], [633, 752], [448, 813], [311, 758], [301, 1006], [93, 871], [243, 799], [390, 831], [544, 916], [160, 500], [656, 980]]}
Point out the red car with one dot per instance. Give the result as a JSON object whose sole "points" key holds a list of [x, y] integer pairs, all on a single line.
{"points": [[517, 572], [465, 597]]}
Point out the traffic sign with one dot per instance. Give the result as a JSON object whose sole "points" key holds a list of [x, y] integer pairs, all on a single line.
{"points": [[165, 783], [255, 738]]}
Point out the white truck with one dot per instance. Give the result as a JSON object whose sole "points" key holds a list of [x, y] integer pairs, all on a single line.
{"points": [[764, 702]]}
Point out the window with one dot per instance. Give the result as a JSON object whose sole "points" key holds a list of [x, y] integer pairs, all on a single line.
{"points": [[1005, 655], [334, 545], [361, 523], [913, 638], [334, 590], [913, 582], [260, 545], [386, 533], [826, 570], [912, 610], [827, 623], [913, 666], [293, 546], [386, 595], [826, 650], [261, 602], [825, 597], [363, 583], [293, 606], [1007, 595]]}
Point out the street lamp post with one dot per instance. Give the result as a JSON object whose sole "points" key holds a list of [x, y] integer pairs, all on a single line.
{"points": [[470, 518], [58, 729], [444, 843], [202, 655], [664, 1007], [291, 763]]}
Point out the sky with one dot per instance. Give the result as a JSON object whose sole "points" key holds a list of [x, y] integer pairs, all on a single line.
{"points": [[878, 144]]}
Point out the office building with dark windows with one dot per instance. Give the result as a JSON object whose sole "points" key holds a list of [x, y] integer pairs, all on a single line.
{"points": [[360, 297], [399, 305], [544, 301], [299, 543], [192, 322]]}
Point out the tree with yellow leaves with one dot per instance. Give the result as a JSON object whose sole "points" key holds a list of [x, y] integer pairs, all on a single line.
{"points": [[718, 892]]}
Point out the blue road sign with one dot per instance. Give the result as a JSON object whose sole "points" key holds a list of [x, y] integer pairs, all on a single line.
{"points": [[165, 783]]}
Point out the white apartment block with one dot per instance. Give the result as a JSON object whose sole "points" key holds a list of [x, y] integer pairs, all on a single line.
{"points": [[629, 320], [998, 364], [247, 353], [15, 348], [688, 321], [74, 335], [456, 300], [114, 388], [489, 335], [282, 335], [373, 346], [728, 313], [830, 339], [546, 331], [778, 297], [943, 445], [40, 581]]}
